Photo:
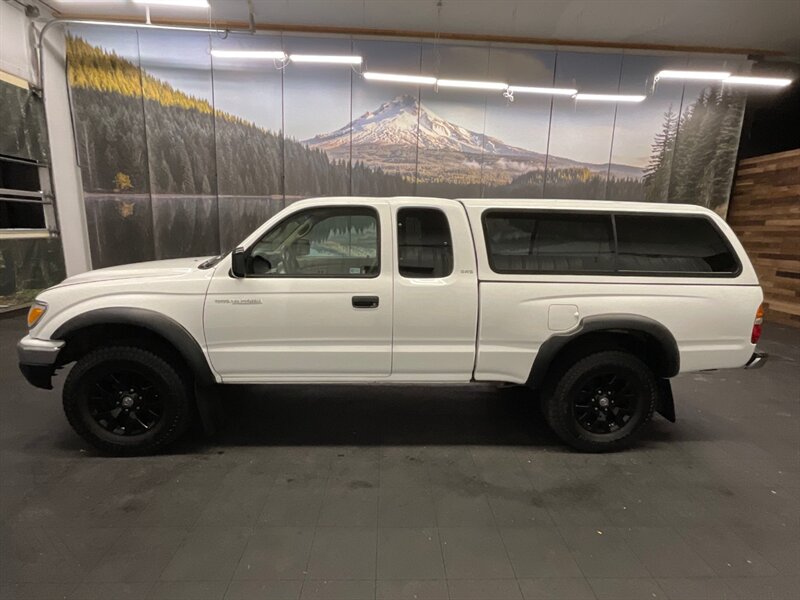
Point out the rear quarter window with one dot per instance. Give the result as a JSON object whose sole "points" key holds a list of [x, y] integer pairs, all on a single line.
{"points": [[690, 245]]}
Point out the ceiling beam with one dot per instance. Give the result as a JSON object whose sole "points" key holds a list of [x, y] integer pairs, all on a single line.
{"points": [[403, 33]]}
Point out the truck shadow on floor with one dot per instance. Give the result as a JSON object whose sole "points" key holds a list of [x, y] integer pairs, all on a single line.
{"points": [[288, 415], [381, 415]]}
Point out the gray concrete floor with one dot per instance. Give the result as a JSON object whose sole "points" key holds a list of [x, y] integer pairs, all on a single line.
{"points": [[419, 493]]}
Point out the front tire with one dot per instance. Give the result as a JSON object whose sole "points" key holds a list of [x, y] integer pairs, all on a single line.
{"points": [[125, 400], [602, 402]]}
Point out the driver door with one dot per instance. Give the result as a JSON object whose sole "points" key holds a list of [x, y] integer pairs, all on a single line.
{"points": [[316, 303]]}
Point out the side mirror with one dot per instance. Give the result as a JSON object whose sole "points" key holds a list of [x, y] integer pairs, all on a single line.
{"points": [[238, 263]]}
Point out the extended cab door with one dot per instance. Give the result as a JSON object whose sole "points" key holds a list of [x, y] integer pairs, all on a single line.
{"points": [[316, 303], [435, 291]]}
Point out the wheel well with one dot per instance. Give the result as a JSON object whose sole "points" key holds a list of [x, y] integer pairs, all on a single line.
{"points": [[639, 343], [645, 346], [82, 341], [138, 326]]}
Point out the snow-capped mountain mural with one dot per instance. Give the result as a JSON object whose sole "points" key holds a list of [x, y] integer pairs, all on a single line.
{"points": [[402, 122], [184, 157]]}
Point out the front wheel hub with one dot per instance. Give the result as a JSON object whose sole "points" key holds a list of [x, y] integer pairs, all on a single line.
{"points": [[124, 402]]}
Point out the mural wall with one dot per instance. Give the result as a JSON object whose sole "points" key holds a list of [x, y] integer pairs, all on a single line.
{"points": [[184, 153], [27, 264]]}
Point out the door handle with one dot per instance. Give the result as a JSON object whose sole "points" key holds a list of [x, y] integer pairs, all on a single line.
{"points": [[365, 301]]}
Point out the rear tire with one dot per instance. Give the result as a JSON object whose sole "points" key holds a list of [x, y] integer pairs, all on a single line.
{"points": [[126, 401], [602, 402]]}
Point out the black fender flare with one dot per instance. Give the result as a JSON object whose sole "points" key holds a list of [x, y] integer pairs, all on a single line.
{"points": [[610, 323], [169, 329]]}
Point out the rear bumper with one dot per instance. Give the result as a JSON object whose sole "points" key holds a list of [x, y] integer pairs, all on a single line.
{"points": [[38, 360], [757, 360]]}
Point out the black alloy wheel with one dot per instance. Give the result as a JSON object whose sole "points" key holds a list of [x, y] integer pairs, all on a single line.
{"points": [[127, 400], [602, 402], [606, 402], [124, 402]]}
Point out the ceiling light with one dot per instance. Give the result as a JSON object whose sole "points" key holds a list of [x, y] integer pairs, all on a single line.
{"points": [[420, 79], [610, 97], [522, 89], [184, 3], [253, 54], [762, 81], [475, 85], [144, 25], [324, 58], [702, 75]]}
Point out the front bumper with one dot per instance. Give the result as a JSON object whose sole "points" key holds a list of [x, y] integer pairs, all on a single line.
{"points": [[38, 360], [757, 360]]}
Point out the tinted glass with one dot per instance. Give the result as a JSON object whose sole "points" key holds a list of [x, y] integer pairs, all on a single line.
{"points": [[528, 242], [671, 244], [18, 211], [21, 215], [320, 242], [424, 245]]}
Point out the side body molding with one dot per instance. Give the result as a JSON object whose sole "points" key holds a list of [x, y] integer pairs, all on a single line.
{"points": [[608, 323], [164, 326]]}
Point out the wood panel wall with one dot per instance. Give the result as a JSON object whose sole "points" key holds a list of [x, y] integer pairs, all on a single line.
{"points": [[765, 214]]}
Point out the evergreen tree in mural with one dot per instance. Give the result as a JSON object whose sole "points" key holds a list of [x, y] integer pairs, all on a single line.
{"points": [[694, 156], [169, 142], [575, 182], [657, 172], [22, 128]]}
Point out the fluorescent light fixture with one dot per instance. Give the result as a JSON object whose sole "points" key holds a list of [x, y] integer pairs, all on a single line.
{"points": [[702, 75], [610, 97], [331, 59], [523, 89], [474, 85], [250, 54], [762, 81], [420, 79], [144, 25], [183, 3]]}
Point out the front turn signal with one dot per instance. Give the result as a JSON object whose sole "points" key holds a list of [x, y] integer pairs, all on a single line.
{"points": [[35, 313]]}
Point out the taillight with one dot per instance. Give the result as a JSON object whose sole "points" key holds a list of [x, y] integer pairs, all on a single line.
{"points": [[756, 335]]}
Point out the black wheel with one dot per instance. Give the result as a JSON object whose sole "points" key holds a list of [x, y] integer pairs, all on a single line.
{"points": [[126, 400], [602, 402]]}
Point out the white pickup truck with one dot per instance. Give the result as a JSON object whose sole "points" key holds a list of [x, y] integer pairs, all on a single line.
{"points": [[594, 305]]}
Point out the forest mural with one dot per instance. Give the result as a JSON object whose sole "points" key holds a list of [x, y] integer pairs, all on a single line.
{"points": [[185, 154], [27, 265]]}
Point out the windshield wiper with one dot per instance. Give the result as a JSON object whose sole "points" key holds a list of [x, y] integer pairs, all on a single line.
{"points": [[213, 261]]}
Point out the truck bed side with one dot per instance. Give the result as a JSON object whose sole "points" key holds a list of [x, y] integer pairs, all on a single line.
{"points": [[710, 318]]}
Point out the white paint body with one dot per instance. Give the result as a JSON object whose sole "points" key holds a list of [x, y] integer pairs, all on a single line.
{"points": [[473, 325]]}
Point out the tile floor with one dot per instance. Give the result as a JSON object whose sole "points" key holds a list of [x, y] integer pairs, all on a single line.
{"points": [[410, 493]]}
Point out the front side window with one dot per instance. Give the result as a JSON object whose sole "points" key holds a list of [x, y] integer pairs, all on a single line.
{"points": [[320, 242], [529, 242], [424, 245], [671, 244]]}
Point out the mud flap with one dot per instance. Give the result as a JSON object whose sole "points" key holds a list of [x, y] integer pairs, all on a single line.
{"points": [[208, 408], [666, 404]]}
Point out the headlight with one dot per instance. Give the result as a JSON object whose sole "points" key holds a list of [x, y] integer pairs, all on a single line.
{"points": [[36, 312]]}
